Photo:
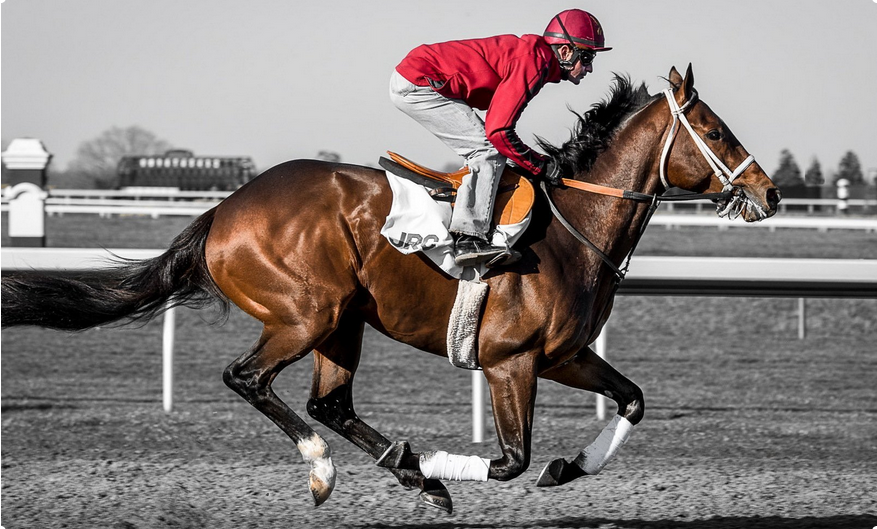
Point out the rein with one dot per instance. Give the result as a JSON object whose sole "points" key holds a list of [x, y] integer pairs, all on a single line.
{"points": [[721, 171], [653, 200]]}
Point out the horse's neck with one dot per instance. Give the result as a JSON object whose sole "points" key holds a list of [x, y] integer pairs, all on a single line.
{"points": [[630, 163], [631, 160]]}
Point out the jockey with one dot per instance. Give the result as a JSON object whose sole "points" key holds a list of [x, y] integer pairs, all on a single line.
{"points": [[439, 85]]}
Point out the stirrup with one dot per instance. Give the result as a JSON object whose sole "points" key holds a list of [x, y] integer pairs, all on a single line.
{"points": [[509, 257], [480, 251]]}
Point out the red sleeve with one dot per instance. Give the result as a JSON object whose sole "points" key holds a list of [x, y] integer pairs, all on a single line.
{"points": [[523, 81]]}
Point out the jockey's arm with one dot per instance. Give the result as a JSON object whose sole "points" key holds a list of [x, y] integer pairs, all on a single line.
{"points": [[509, 101]]}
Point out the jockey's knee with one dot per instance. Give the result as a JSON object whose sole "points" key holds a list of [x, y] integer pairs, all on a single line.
{"points": [[509, 466]]}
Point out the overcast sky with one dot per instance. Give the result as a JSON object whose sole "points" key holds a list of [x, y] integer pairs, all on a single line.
{"points": [[278, 80]]}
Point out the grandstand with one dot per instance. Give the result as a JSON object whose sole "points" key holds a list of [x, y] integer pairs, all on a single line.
{"points": [[183, 170]]}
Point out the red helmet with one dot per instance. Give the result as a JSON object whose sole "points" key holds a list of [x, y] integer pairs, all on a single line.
{"points": [[577, 28]]}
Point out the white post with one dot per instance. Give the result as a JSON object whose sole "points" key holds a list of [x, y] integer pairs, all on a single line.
{"points": [[167, 353], [802, 318], [477, 406], [601, 352], [27, 214]]}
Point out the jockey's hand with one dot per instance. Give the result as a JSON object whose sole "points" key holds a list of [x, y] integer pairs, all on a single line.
{"points": [[552, 173]]}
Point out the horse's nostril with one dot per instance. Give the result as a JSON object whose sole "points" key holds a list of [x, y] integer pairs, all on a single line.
{"points": [[773, 197]]}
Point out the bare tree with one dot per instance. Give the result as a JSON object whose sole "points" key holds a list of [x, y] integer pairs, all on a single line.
{"points": [[97, 159]]}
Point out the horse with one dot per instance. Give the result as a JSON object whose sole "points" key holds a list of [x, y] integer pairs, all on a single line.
{"points": [[298, 248]]}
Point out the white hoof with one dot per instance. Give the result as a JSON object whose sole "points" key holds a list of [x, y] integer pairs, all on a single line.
{"points": [[322, 484], [318, 455]]}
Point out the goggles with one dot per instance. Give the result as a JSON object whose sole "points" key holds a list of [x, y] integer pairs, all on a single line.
{"points": [[586, 56]]}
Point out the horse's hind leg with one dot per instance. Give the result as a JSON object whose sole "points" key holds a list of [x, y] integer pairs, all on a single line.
{"points": [[251, 376], [331, 403], [590, 372]]}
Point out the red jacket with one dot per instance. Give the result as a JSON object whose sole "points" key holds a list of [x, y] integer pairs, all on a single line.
{"points": [[498, 74]]}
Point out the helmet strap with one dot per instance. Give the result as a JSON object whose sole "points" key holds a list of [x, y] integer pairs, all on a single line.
{"points": [[569, 63], [566, 64]]}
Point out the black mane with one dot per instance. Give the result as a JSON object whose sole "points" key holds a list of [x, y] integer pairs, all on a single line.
{"points": [[595, 129]]}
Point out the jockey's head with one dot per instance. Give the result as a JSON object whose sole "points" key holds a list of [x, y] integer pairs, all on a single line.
{"points": [[575, 35]]}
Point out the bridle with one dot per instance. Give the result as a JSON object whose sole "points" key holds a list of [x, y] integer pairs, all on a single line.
{"points": [[721, 171]]}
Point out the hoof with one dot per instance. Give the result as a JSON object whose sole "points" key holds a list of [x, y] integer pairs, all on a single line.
{"points": [[316, 453], [436, 495], [319, 489], [557, 473], [322, 480]]}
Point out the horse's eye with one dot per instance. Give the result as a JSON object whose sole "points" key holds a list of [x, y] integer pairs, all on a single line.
{"points": [[714, 135]]}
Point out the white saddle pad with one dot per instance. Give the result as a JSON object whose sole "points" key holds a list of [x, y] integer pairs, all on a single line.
{"points": [[417, 223]]}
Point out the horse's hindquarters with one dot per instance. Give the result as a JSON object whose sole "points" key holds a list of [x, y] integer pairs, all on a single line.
{"points": [[282, 247]]}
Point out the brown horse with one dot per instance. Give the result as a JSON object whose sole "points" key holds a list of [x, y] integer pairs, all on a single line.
{"points": [[299, 249]]}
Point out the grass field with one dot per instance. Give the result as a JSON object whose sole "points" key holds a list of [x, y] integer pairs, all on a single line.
{"points": [[746, 426]]}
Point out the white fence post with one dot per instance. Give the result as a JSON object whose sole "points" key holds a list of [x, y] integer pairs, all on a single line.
{"points": [[167, 356], [477, 406], [601, 352]]}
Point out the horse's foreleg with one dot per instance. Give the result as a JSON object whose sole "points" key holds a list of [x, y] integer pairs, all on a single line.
{"points": [[513, 394], [513, 397], [331, 403], [590, 372], [251, 376]]}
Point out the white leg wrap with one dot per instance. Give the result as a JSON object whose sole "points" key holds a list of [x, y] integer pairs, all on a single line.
{"points": [[596, 456], [442, 465]]}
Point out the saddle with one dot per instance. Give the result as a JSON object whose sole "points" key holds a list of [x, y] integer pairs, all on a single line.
{"points": [[514, 198]]}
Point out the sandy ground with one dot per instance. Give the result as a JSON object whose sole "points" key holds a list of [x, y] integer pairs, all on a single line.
{"points": [[761, 430]]}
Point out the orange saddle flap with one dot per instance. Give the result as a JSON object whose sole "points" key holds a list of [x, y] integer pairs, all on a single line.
{"points": [[514, 198]]}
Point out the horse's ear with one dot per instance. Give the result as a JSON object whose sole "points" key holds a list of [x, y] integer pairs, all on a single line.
{"points": [[688, 82], [674, 77], [683, 88]]}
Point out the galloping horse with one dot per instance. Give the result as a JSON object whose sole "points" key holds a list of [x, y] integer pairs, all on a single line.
{"points": [[299, 248]]}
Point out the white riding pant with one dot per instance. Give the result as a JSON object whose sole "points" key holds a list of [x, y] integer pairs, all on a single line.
{"points": [[460, 128]]}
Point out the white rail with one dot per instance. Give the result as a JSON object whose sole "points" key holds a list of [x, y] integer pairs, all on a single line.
{"points": [[779, 221], [691, 276], [170, 193], [155, 209]]}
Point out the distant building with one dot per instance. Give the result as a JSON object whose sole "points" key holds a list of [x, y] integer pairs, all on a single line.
{"points": [[183, 170]]}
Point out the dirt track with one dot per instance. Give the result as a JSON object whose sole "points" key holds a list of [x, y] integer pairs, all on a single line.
{"points": [[762, 432]]}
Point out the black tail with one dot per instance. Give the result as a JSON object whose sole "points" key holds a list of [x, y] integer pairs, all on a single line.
{"points": [[131, 290]]}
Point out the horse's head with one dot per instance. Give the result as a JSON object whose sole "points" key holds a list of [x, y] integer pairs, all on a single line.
{"points": [[702, 154]]}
